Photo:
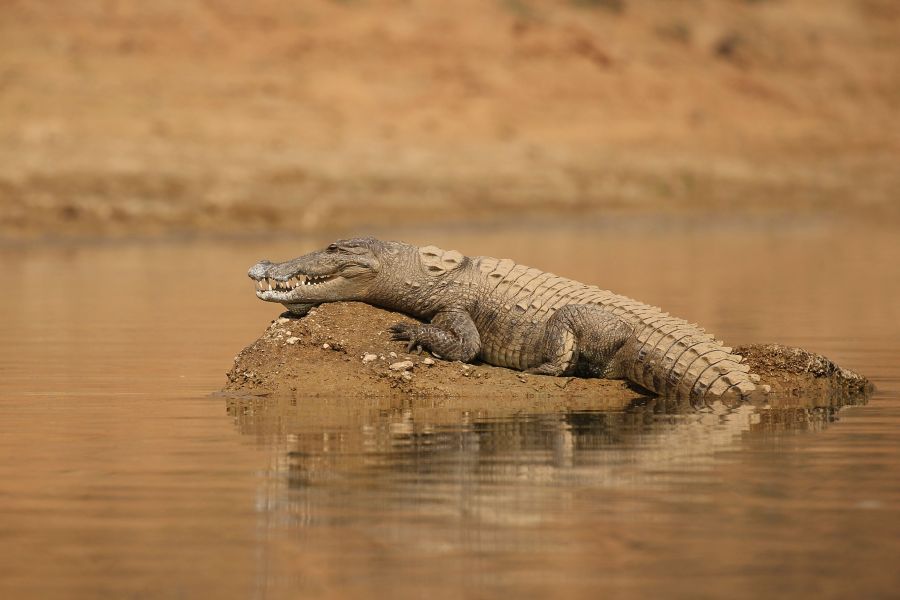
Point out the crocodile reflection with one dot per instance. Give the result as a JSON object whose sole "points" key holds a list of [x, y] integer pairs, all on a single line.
{"points": [[333, 443]]}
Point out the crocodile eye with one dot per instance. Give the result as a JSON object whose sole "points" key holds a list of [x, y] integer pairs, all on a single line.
{"points": [[332, 247]]}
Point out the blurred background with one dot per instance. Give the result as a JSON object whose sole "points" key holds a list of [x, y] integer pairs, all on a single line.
{"points": [[123, 118]]}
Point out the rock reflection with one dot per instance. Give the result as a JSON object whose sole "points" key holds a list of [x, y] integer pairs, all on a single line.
{"points": [[350, 461]]}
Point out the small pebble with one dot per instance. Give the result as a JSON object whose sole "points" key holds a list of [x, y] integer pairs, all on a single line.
{"points": [[428, 361], [406, 375], [393, 355], [369, 358], [282, 320], [326, 346], [292, 340], [403, 365]]}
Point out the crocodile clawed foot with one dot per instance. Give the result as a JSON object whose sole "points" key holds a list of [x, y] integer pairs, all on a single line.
{"points": [[402, 332]]}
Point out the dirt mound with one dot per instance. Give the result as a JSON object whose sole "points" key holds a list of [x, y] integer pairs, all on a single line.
{"points": [[795, 371], [344, 349]]}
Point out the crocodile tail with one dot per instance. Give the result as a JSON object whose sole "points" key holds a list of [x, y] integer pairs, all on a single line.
{"points": [[678, 359]]}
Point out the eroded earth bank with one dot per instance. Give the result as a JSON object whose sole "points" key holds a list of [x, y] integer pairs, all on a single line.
{"points": [[344, 349], [150, 118]]}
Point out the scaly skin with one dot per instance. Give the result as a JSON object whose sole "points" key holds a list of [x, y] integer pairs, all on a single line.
{"points": [[510, 315]]}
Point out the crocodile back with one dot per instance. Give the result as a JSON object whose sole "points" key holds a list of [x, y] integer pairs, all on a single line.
{"points": [[665, 354]]}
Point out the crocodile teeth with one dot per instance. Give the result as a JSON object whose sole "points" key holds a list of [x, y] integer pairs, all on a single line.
{"points": [[308, 280]]}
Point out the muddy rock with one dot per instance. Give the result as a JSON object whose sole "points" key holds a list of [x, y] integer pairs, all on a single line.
{"points": [[269, 366], [403, 365], [797, 372]]}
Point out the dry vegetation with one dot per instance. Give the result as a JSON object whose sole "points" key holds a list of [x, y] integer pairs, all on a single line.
{"points": [[121, 117]]}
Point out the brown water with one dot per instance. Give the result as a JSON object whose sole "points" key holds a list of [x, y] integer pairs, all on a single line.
{"points": [[121, 477]]}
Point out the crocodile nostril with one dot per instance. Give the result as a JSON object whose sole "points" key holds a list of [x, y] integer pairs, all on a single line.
{"points": [[258, 270]]}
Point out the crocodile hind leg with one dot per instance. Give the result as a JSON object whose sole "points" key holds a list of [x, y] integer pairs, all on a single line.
{"points": [[451, 335], [583, 338]]}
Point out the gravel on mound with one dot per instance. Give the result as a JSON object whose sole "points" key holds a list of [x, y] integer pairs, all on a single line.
{"points": [[344, 349]]}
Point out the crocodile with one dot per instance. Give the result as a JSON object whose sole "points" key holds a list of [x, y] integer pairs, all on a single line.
{"points": [[511, 315]]}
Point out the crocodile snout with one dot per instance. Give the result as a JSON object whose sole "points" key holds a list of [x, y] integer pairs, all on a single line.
{"points": [[259, 270]]}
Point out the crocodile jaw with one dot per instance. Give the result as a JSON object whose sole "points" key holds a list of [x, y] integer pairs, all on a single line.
{"points": [[275, 290], [300, 288]]}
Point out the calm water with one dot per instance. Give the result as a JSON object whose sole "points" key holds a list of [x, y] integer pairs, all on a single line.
{"points": [[121, 477]]}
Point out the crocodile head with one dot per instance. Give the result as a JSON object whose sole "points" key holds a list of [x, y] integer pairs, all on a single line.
{"points": [[345, 270]]}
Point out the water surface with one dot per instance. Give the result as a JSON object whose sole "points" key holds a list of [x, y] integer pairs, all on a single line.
{"points": [[120, 476]]}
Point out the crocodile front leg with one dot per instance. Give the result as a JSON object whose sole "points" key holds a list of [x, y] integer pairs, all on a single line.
{"points": [[585, 338], [451, 335]]}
